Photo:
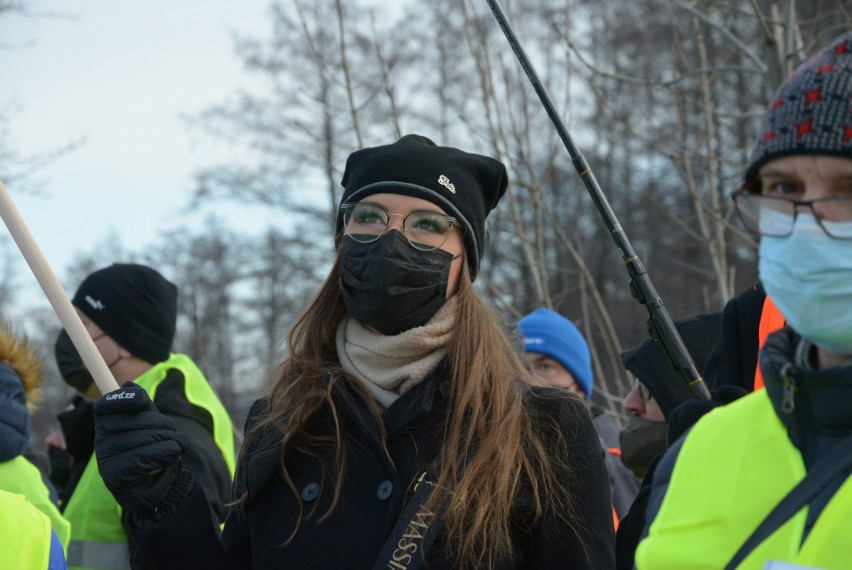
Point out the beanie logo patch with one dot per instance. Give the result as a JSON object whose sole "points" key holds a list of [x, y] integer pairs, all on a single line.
{"points": [[445, 182], [95, 303]]}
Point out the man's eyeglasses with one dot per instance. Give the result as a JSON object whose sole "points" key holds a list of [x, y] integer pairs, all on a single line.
{"points": [[644, 392], [366, 222], [775, 216]]}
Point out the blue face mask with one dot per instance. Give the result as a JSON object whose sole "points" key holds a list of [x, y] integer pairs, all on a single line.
{"points": [[808, 275]]}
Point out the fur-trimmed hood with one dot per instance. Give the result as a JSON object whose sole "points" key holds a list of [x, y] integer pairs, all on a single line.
{"points": [[20, 356], [20, 380]]}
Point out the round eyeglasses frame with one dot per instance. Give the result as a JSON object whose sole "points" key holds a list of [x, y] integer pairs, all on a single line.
{"points": [[370, 238]]}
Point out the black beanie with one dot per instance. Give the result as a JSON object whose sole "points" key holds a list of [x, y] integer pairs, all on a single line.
{"points": [[134, 305], [811, 112], [466, 186], [649, 363]]}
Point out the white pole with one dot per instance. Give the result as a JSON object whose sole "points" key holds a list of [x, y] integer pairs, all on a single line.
{"points": [[55, 294]]}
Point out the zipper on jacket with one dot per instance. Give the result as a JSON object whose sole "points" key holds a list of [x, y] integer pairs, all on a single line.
{"points": [[788, 397]]}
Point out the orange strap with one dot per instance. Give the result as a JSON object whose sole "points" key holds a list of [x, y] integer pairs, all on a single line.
{"points": [[771, 320], [614, 517]]}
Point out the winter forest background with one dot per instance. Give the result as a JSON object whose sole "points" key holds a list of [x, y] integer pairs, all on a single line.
{"points": [[663, 97]]}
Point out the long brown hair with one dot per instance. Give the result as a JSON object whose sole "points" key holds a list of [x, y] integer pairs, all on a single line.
{"points": [[490, 448]]}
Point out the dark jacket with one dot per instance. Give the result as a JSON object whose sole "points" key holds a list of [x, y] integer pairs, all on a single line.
{"points": [[377, 486], [15, 424], [203, 458], [734, 358], [14, 416], [820, 418], [632, 525]]}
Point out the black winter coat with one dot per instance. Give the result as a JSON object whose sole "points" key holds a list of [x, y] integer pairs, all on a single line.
{"points": [[375, 491], [734, 358]]}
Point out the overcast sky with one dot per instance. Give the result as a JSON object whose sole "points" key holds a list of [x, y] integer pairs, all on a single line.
{"points": [[118, 74]]}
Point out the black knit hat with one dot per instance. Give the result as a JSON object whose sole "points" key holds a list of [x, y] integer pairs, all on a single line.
{"points": [[811, 112], [649, 363], [134, 305], [466, 186]]}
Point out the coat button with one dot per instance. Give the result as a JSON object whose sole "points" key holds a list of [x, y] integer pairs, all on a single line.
{"points": [[384, 491], [310, 491]]}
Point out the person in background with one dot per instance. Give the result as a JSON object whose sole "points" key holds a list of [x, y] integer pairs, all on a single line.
{"points": [[403, 429], [765, 481], [557, 352], [72, 443], [659, 389], [660, 407], [21, 377], [130, 312], [29, 540]]}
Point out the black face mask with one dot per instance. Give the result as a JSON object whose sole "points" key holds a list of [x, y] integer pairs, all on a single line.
{"points": [[390, 286], [641, 441], [60, 467], [70, 364]]}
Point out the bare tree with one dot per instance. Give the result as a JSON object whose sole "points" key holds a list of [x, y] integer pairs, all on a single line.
{"points": [[662, 96], [321, 101], [284, 274]]}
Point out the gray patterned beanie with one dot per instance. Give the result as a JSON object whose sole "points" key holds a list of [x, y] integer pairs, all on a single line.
{"points": [[811, 112]]}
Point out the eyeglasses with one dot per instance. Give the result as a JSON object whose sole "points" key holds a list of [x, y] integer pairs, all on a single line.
{"points": [[366, 222], [775, 216]]}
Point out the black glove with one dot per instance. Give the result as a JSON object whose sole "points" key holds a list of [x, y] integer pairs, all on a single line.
{"points": [[137, 447]]}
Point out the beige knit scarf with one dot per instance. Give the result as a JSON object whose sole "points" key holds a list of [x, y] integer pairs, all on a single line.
{"points": [[389, 366]]}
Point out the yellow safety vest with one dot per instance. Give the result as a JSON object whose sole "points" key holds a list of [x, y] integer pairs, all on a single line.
{"points": [[20, 476], [735, 465], [25, 532], [98, 538]]}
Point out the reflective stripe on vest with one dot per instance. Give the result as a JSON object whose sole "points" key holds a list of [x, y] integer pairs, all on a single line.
{"points": [[199, 393], [25, 533], [771, 320], [98, 539], [719, 494], [20, 476], [95, 522], [100, 555]]}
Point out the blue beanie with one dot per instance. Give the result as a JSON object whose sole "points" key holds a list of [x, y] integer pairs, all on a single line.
{"points": [[555, 336]]}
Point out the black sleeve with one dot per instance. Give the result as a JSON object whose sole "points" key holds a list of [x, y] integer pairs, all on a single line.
{"points": [[203, 458], [662, 476], [587, 538], [734, 358], [632, 525], [183, 535]]}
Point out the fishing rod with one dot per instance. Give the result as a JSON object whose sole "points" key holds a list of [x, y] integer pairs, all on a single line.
{"points": [[660, 325]]}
